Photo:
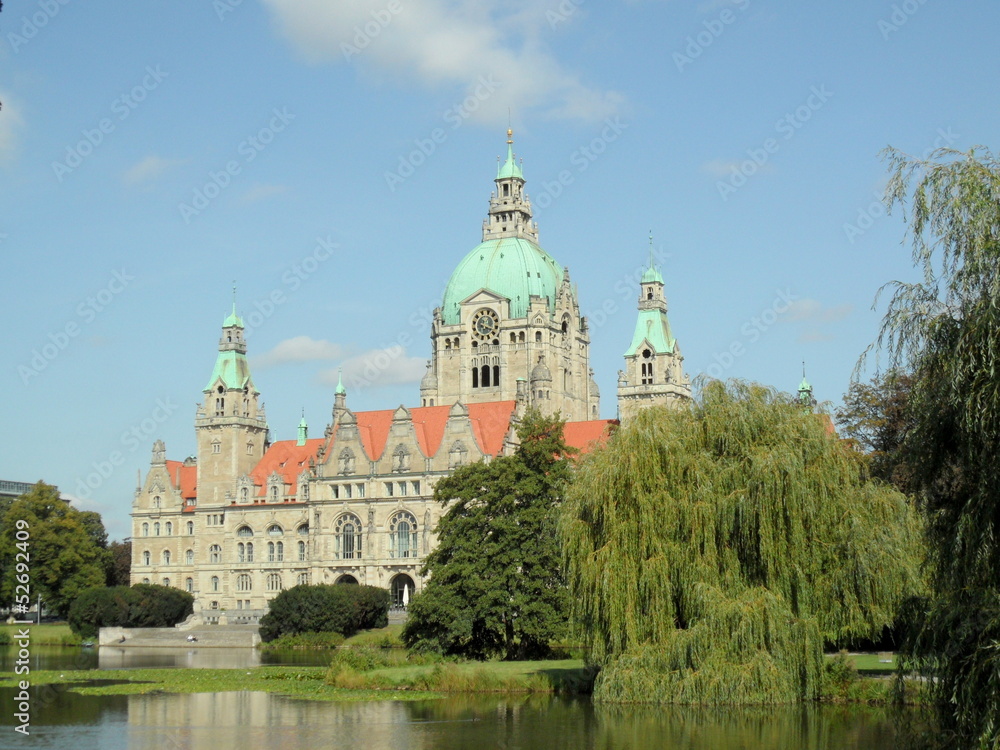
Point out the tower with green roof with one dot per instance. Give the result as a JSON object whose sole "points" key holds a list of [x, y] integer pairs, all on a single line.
{"points": [[654, 371], [507, 306], [230, 425]]}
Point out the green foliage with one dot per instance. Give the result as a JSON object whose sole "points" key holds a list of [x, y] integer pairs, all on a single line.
{"points": [[496, 587], [118, 565], [329, 608], [139, 606], [876, 418], [946, 330], [307, 641], [712, 551], [5, 639], [64, 547]]}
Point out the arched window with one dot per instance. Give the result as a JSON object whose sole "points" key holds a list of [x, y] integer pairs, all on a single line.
{"points": [[215, 553], [538, 337], [302, 551], [170, 529], [403, 535], [156, 529], [348, 580], [189, 557], [401, 590], [347, 539], [270, 551], [496, 374], [146, 581], [302, 579], [249, 551], [281, 551], [273, 581], [190, 527], [156, 501], [274, 530], [241, 552], [244, 494], [303, 530], [484, 376], [145, 529], [274, 493], [475, 377], [243, 582], [166, 557], [146, 557], [166, 581], [215, 583], [244, 531], [189, 585]]}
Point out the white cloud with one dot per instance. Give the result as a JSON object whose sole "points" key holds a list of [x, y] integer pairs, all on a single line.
{"points": [[812, 310], [378, 367], [483, 47], [259, 191], [11, 121], [148, 169], [300, 349]]}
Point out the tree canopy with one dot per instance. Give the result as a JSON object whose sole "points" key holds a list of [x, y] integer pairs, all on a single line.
{"points": [[325, 608], [945, 329], [496, 587], [63, 545], [712, 551]]}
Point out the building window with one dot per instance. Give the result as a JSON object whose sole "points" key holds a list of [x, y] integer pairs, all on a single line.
{"points": [[270, 551], [273, 581], [156, 529], [401, 590], [538, 337], [166, 581], [302, 579], [457, 455], [388, 489], [303, 530], [403, 535], [416, 487], [241, 552], [402, 489], [146, 581], [243, 582], [249, 551], [361, 490], [216, 447], [249, 449], [244, 531], [244, 494], [274, 493], [189, 557], [274, 530], [190, 528], [170, 529], [475, 376], [281, 551], [302, 551], [189, 585], [145, 529], [215, 553], [146, 558], [347, 491], [347, 539], [166, 557], [215, 583], [156, 501]]}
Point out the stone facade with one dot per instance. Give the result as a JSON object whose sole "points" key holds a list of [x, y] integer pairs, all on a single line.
{"points": [[245, 518]]}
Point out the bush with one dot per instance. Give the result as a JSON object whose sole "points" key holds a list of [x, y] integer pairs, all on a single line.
{"points": [[320, 608], [139, 606], [312, 641]]}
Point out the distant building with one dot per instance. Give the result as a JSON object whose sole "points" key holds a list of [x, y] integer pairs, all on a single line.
{"points": [[245, 518], [12, 490]]}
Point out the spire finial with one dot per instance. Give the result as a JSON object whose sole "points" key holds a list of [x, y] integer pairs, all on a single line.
{"points": [[803, 369], [234, 296], [650, 248], [340, 382]]}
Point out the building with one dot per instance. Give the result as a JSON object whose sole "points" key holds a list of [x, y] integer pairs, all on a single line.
{"points": [[245, 518]]}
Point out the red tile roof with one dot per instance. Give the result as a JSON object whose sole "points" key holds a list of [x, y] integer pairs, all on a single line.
{"points": [[288, 459], [183, 478], [373, 427], [585, 436], [490, 423], [429, 423]]}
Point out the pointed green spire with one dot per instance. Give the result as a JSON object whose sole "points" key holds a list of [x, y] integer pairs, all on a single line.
{"points": [[510, 167], [652, 273], [303, 430], [233, 319], [341, 391], [805, 389]]}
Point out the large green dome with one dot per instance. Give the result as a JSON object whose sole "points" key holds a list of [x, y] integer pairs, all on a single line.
{"points": [[512, 267]]}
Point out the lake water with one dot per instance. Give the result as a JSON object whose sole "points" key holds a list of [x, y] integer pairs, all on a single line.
{"points": [[218, 721]]}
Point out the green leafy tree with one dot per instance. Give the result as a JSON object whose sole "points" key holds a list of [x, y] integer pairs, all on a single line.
{"points": [[711, 552], [118, 565], [945, 329], [64, 554], [325, 608], [140, 606], [496, 587], [876, 418]]}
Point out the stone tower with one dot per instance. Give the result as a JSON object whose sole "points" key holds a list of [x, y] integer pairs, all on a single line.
{"points": [[654, 373], [230, 425], [507, 308]]}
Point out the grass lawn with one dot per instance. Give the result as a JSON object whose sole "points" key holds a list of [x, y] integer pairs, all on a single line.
{"points": [[46, 634], [376, 637], [300, 682], [871, 663]]}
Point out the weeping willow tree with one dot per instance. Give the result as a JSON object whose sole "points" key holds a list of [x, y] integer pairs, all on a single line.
{"points": [[946, 330], [711, 552]]}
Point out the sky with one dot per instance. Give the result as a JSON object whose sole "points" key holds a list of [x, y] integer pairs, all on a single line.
{"points": [[335, 161]]}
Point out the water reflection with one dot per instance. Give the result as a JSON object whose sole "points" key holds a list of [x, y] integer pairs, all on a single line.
{"points": [[262, 721], [115, 657]]}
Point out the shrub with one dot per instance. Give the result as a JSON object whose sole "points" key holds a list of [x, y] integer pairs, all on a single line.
{"points": [[325, 608], [315, 641], [140, 606]]}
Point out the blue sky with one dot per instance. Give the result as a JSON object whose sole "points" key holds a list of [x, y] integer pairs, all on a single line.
{"points": [[335, 159]]}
